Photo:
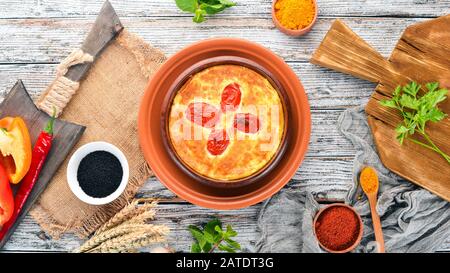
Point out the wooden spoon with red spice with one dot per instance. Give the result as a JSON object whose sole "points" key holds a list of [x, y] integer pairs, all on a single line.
{"points": [[369, 183]]}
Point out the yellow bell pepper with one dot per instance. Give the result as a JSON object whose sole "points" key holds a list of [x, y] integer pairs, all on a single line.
{"points": [[15, 148]]}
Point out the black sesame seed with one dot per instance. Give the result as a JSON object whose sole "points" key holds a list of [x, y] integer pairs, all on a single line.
{"points": [[99, 174]]}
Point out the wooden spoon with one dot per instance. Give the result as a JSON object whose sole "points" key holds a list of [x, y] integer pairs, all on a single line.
{"points": [[371, 190]]}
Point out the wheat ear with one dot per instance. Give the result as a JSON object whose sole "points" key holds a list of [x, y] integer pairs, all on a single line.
{"points": [[120, 230], [134, 240], [128, 212]]}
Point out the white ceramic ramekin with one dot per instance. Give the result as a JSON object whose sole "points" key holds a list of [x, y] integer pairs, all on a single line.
{"points": [[74, 162]]}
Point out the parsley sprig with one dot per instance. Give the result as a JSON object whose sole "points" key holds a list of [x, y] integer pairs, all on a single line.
{"points": [[201, 8], [212, 237], [417, 111]]}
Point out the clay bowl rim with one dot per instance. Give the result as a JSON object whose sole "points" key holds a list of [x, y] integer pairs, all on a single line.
{"points": [[361, 228], [149, 125], [292, 32], [179, 83]]}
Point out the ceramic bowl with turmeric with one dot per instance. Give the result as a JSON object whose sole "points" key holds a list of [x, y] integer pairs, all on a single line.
{"points": [[294, 17]]}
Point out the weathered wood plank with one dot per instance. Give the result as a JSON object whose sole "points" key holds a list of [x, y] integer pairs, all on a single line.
{"points": [[29, 236], [141, 8], [51, 40], [326, 89]]}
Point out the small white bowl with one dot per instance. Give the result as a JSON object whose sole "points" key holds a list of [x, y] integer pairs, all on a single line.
{"points": [[74, 162]]}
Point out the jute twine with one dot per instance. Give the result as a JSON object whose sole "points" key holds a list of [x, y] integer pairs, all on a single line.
{"points": [[60, 92]]}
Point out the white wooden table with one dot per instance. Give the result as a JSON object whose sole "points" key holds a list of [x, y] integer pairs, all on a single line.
{"points": [[35, 35]]}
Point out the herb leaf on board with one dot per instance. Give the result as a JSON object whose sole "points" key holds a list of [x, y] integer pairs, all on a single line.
{"points": [[213, 237], [417, 111], [201, 8]]}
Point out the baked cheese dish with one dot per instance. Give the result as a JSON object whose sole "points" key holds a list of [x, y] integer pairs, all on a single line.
{"points": [[226, 122]]}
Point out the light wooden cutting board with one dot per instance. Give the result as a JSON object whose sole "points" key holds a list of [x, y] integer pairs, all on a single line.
{"points": [[422, 54]]}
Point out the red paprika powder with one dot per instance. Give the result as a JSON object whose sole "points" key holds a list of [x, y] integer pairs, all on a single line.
{"points": [[337, 228]]}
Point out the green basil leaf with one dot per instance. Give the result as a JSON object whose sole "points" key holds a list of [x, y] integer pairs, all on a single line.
{"points": [[198, 235], [212, 9], [195, 248], [218, 229], [211, 225], [227, 3], [187, 5], [218, 237], [195, 231], [207, 247], [209, 2], [209, 237], [212, 234], [230, 232], [226, 248], [233, 244]]}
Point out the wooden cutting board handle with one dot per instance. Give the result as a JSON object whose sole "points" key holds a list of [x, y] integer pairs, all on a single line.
{"points": [[346, 52]]}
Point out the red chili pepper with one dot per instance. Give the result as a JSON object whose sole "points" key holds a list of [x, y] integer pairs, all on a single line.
{"points": [[39, 155]]}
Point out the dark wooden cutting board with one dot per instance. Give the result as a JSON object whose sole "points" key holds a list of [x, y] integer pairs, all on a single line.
{"points": [[66, 135], [422, 54]]}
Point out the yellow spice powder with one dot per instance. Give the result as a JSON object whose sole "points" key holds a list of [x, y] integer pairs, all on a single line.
{"points": [[368, 180], [295, 14]]}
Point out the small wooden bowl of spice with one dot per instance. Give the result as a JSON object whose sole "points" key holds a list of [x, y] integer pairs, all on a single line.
{"points": [[98, 173], [338, 228], [294, 17]]}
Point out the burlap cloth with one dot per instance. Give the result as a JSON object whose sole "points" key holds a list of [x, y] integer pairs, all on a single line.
{"points": [[107, 103]]}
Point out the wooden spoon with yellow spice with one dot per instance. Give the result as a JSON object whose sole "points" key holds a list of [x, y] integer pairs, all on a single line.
{"points": [[369, 183]]}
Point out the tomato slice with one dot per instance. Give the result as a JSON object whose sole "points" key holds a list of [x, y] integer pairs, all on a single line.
{"points": [[203, 114], [246, 122], [231, 97], [218, 142]]}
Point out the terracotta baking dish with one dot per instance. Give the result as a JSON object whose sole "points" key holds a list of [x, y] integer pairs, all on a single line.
{"points": [[151, 125], [183, 78]]}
